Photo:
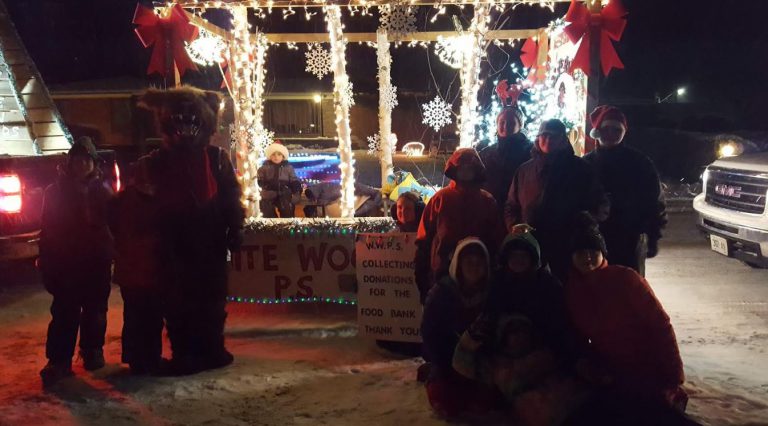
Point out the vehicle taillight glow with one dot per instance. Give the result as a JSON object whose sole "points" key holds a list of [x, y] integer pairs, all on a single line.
{"points": [[118, 184], [10, 194]]}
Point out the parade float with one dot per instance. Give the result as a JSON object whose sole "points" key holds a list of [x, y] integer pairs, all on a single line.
{"points": [[316, 260]]}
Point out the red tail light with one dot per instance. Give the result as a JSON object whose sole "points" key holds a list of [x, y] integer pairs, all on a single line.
{"points": [[118, 184], [10, 194]]}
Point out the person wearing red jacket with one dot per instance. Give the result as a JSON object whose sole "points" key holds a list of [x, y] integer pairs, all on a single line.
{"points": [[629, 343], [460, 210]]}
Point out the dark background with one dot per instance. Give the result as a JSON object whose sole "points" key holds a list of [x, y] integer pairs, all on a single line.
{"points": [[717, 50]]}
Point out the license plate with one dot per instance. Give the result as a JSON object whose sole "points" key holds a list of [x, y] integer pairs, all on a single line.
{"points": [[719, 244]]}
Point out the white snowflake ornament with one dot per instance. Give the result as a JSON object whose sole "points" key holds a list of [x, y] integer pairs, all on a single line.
{"points": [[390, 98], [374, 144], [346, 94], [437, 113], [318, 60], [399, 20]]}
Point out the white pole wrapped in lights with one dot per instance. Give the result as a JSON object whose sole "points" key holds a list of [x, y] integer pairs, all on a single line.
{"points": [[387, 101], [473, 48], [342, 99]]}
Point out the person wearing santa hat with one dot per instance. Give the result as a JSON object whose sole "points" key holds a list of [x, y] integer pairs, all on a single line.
{"points": [[638, 211], [278, 182]]}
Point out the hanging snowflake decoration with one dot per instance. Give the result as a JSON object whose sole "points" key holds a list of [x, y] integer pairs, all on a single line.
{"points": [[399, 20], [437, 113], [318, 60], [390, 98], [374, 144], [256, 140]]}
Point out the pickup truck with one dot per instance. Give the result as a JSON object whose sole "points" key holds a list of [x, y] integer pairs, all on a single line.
{"points": [[23, 180], [732, 207]]}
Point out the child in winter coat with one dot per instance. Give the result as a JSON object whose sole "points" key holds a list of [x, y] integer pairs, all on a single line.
{"points": [[629, 343], [141, 260], [75, 262], [407, 211], [278, 183], [453, 305], [460, 210]]}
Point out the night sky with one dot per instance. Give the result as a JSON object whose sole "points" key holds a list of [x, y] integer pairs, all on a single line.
{"points": [[717, 50]]}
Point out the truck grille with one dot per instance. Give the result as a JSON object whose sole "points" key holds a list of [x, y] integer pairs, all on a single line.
{"points": [[740, 190]]}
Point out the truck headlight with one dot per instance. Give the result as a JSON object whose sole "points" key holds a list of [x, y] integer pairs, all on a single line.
{"points": [[704, 179]]}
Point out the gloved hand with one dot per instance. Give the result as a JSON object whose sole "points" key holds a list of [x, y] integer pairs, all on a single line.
{"points": [[234, 239], [653, 249]]}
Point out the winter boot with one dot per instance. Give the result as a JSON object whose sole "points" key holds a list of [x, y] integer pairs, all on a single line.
{"points": [[93, 359], [55, 371]]}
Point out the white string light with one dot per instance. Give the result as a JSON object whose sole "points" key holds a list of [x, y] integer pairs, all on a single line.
{"points": [[341, 106]]}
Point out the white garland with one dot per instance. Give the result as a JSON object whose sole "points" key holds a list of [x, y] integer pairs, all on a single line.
{"points": [[387, 102], [342, 101], [470, 73]]}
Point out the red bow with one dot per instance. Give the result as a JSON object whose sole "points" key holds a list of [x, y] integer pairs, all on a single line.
{"points": [[530, 59], [168, 35], [609, 23], [508, 93]]}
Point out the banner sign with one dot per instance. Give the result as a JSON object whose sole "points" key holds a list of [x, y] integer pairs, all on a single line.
{"points": [[388, 305], [271, 266]]}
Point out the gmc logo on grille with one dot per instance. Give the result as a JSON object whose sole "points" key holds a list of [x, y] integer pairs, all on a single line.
{"points": [[728, 191]]}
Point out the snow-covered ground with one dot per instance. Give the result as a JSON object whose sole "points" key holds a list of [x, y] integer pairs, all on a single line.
{"points": [[305, 364]]}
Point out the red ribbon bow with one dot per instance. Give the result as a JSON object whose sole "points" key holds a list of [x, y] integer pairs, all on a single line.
{"points": [[609, 24], [530, 58], [168, 35]]}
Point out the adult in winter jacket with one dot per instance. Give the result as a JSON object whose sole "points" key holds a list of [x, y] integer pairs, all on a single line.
{"points": [[200, 213], [452, 306], [629, 342], [460, 210], [502, 159], [278, 182], [76, 250], [638, 210], [549, 190]]}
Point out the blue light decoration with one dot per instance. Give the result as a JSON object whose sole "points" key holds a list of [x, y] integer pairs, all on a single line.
{"points": [[315, 167]]}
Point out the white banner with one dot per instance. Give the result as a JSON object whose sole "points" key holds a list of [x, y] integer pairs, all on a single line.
{"points": [[270, 266], [388, 299]]}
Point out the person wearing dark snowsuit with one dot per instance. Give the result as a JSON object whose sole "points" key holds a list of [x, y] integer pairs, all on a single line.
{"points": [[201, 216], [452, 305], [460, 210], [502, 159], [141, 256], [278, 182], [522, 286], [638, 211], [407, 211], [629, 345], [76, 251], [549, 190]]}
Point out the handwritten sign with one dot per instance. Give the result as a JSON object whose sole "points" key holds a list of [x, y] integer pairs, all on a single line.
{"points": [[388, 299], [301, 266]]}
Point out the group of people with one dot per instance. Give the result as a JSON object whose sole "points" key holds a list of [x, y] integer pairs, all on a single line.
{"points": [[530, 267], [167, 232]]}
